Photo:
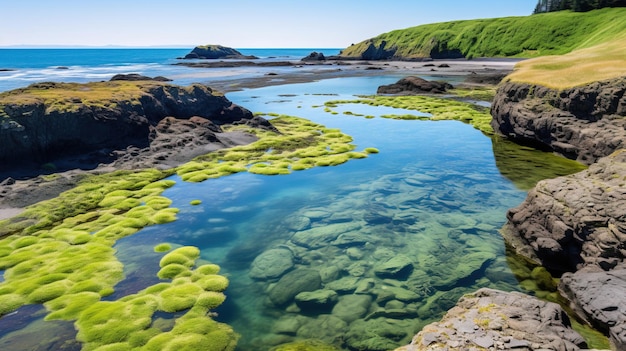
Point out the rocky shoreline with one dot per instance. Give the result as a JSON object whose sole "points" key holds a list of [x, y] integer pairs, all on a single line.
{"points": [[575, 225]]}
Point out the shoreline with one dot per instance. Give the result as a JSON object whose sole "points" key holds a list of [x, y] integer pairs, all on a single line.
{"points": [[21, 187]]}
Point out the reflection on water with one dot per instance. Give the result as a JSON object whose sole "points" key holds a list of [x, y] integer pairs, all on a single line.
{"points": [[525, 166]]}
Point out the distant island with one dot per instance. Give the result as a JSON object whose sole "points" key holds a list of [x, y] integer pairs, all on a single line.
{"points": [[212, 52]]}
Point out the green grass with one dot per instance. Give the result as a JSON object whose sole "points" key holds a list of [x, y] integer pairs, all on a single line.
{"points": [[552, 33]]}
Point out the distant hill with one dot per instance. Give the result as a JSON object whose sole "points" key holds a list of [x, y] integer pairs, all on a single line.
{"points": [[553, 33]]}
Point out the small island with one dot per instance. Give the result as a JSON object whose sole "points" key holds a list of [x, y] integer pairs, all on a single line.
{"points": [[213, 52]]}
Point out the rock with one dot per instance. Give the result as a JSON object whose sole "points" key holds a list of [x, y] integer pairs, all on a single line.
{"points": [[398, 267], [271, 264], [570, 222], [414, 85], [508, 320], [325, 327], [216, 52], [138, 77], [378, 334], [345, 285], [352, 307], [318, 300], [583, 123], [117, 116], [293, 283], [318, 237], [314, 56], [599, 296], [452, 273]]}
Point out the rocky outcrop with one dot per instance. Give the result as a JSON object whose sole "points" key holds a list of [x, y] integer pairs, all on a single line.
{"points": [[216, 52], [314, 56], [496, 320], [583, 123], [579, 220], [371, 51], [576, 226], [600, 297], [48, 121], [414, 85]]}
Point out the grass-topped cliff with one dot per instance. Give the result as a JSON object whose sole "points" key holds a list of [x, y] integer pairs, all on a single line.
{"points": [[554, 33]]}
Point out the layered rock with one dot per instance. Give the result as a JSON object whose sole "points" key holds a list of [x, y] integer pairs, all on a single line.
{"points": [[496, 320], [583, 123], [216, 52], [47, 121], [576, 225], [570, 222]]}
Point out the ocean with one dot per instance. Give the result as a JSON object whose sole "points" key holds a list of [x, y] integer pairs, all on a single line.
{"points": [[21, 67]]}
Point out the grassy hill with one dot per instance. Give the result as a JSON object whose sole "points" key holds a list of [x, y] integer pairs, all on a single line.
{"points": [[553, 33]]}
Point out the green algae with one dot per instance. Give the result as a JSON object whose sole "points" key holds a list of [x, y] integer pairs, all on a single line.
{"points": [[439, 108], [301, 144], [59, 252]]}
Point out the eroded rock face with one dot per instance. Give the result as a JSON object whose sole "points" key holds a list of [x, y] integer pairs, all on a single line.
{"points": [[599, 296], [570, 222], [582, 123], [493, 319], [121, 114]]}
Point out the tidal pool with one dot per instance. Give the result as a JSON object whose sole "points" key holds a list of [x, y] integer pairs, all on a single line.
{"points": [[361, 255]]}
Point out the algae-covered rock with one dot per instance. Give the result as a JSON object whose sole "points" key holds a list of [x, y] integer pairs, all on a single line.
{"points": [[318, 237], [293, 283], [325, 327], [352, 307], [398, 267], [271, 264], [344, 285], [463, 268], [306, 345], [378, 334], [318, 300]]}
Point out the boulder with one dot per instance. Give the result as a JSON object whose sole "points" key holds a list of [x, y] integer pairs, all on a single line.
{"points": [[318, 300], [493, 319], [352, 307], [216, 52], [293, 283], [397, 267], [271, 264], [583, 123], [600, 297], [414, 85], [322, 236]]}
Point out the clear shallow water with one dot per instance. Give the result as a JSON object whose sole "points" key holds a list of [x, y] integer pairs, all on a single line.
{"points": [[433, 195]]}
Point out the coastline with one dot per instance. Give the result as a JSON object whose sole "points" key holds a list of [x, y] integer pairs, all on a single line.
{"points": [[21, 187]]}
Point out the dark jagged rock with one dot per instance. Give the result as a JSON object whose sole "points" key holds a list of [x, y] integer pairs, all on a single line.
{"points": [[570, 222], [138, 77], [583, 123], [314, 56], [414, 85], [216, 52], [496, 320], [600, 297], [74, 119]]}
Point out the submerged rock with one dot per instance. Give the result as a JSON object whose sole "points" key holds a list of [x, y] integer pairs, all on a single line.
{"points": [[493, 319], [293, 283], [398, 267], [271, 264], [318, 300]]}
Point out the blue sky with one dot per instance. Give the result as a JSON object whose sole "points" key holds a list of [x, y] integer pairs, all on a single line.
{"points": [[234, 23]]}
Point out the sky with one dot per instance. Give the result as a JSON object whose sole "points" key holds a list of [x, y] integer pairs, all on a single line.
{"points": [[233, 23]]}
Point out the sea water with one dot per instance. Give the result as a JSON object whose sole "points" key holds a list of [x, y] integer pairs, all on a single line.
{"points": [[433, 195]]}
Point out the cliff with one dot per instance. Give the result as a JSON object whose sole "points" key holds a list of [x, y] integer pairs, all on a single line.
{"points": [[583, 123], [49, 121]]}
